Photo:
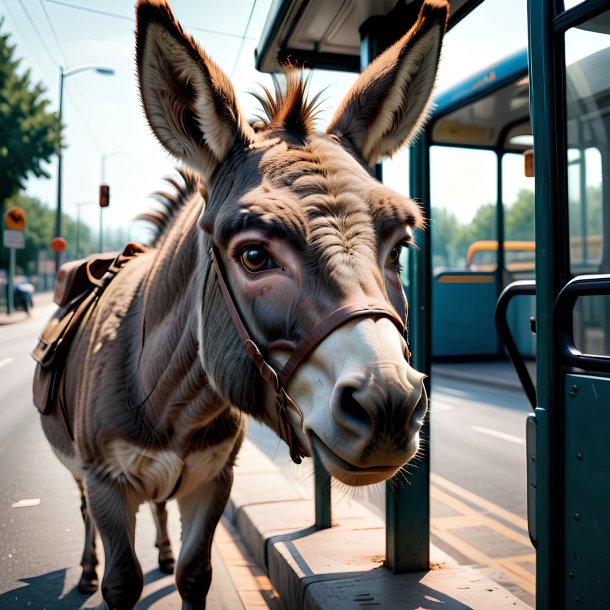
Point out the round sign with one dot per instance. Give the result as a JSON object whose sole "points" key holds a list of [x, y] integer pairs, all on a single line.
{"points": [[58, 244], [14, 219]]}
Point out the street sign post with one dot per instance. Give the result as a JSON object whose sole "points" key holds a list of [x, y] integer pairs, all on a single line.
{"points": [[14, 239]]}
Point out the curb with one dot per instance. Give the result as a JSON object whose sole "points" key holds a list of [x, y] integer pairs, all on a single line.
{"points": [[342, 567]]}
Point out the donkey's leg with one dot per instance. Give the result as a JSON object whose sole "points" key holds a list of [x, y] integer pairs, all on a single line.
{"points": [[88, 581], [200, 512], [166, 557], [114, 505]]}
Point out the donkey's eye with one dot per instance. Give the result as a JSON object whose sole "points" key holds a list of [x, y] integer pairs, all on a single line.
{"points": [[256, 258], [394, 255]]}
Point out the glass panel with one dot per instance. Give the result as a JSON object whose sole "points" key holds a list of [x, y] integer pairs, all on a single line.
{"points": [[518, 200], [463, 195], [591, 319], [568, 4], [492, 31], [588, 128]]}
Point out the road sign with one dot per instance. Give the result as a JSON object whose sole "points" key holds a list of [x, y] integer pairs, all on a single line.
{"points": [[14, 239], [58, 244], [14, 220]]}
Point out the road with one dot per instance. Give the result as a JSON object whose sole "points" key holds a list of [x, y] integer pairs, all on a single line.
{"points": [[478, 492]]}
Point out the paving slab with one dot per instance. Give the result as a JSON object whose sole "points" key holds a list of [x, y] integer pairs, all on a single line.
{"points": [[341, 567]]}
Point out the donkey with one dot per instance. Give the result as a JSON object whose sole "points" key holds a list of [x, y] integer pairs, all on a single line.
{"points": [[272, 292]]}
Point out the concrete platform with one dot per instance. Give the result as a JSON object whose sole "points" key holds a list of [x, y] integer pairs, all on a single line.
{"points": [[342, 567]]}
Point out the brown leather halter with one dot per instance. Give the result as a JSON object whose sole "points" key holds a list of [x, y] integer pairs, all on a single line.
{"points": [[278, 380]]}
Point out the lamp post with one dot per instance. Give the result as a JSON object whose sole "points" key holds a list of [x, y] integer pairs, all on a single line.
{"points": [[103, 181], [78, 207], [62, 76]]}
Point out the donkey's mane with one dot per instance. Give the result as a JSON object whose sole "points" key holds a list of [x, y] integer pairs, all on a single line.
{"points": [[287, 106], [161, 218]]}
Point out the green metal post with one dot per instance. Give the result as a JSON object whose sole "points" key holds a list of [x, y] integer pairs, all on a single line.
{"points": [[546, 102], [322, 495], [408, 505]]}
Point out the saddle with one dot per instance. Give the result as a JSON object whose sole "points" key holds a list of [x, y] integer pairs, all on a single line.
{"points": [[78, 287]]}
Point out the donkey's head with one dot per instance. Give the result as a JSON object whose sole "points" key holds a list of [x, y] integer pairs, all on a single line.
{"points": [[300, 230]]}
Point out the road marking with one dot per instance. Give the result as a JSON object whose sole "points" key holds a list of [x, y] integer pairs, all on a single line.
{"points": [[472, 511], [26, 502], [6, 361], [511, 569], [486, 505], [497, 434]]}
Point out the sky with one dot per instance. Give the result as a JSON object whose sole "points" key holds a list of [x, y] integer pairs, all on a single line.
{"points": [[105, 125]]}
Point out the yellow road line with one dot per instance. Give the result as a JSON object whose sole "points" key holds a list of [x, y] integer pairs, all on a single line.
{"points": [[482, 513], [513, 572], [490, 507], [479, 518]]}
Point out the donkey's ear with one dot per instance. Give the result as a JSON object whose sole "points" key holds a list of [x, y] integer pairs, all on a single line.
{"points": [[388, 103], [189, 102]]}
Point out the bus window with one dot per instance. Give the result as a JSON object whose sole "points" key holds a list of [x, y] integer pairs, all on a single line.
{"points": [[588, 130], [518, 201], [585, 209], [463, 196]]}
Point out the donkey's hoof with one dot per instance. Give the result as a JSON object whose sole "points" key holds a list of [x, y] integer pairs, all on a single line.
{"points": [[88, 584], [167, 565]]}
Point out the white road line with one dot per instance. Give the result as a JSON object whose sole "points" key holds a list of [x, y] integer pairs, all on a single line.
{"points": [[6, 361], [495, 433]]}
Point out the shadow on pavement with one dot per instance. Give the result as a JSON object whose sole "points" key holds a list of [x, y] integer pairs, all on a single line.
{"points": [[48, 591]]}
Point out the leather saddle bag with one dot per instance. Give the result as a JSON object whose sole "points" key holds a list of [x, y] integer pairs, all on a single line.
{"points": [[78, 288]]}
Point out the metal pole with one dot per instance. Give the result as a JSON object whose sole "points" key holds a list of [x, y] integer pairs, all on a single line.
{"points": [[101, 244], [10, 302], [77, 230], [59, 169]]}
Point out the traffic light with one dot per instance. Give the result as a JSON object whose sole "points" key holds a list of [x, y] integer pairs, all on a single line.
{"points": [[104, 196]]}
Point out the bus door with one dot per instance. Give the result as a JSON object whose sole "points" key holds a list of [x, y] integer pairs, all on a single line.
{"points": [[569, 432], [482, 209]]}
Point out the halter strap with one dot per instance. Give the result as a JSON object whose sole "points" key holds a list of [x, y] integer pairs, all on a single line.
{"points": [[278, 381]]}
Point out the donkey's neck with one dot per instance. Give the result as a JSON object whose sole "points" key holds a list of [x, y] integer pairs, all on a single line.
{"points": [[175, 396]]}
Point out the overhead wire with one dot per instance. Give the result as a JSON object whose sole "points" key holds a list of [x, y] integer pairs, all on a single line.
{"points": [[46, 14], [95, 11], [42, 41], [26, 39], [52, 58], [243, 39]]}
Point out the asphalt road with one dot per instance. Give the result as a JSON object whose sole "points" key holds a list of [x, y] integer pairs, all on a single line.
{"points": [[478, 490]]}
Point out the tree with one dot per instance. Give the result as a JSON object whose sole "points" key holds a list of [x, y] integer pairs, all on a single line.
{"points": [[519, 217], [29, 134]]}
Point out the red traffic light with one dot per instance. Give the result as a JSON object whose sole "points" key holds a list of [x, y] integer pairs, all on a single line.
{"points": [[104, 195], [58, 244]]}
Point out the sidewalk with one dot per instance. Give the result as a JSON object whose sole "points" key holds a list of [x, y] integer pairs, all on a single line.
{"points": [[340, 568], [43, 304]]}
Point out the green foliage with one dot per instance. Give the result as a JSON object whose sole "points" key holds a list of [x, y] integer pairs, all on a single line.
{"points": [[451, 238], [519, 219], [29, 133]]}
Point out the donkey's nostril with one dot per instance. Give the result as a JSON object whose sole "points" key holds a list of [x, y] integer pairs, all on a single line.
{"points": [[350, 413]]}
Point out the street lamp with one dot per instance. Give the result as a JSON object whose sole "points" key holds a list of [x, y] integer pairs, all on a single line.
{"points": [[78, 207], [62, 76]]}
